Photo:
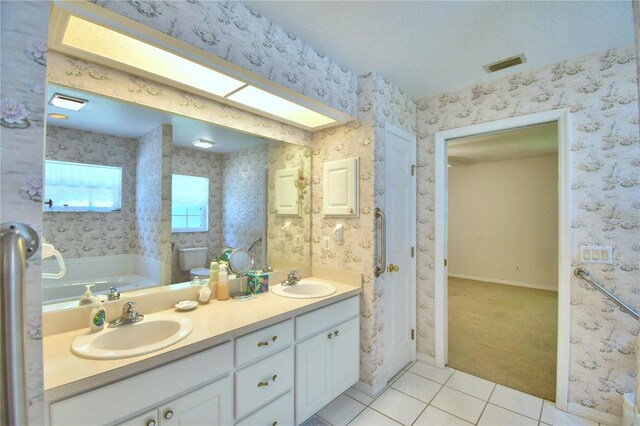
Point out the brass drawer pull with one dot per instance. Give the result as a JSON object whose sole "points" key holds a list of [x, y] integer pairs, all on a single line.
{"points": [[274, 423], [273, 379], [266, 343]]}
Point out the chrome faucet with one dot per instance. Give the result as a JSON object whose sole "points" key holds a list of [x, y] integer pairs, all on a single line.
{"points": [[114, 294], [292, 278], [129, 316]]}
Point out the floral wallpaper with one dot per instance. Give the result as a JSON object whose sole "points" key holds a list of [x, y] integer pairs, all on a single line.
{"points": [[23, 59], [204, 164], [77, 73], [601, 92], [378, 102], [243, 174], [153, 193], [285, 250], [235, 33], [94, 234]]}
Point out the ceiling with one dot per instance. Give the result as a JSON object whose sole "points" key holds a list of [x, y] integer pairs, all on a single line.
{"points": [[431, 47], [118, 118], [530, 141]]}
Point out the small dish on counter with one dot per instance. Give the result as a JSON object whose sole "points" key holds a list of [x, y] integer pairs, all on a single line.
{"points": [[186, 305]]}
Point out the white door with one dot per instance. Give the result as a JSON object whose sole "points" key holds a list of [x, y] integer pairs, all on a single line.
{"points": [[400, 275], [209, 405]]}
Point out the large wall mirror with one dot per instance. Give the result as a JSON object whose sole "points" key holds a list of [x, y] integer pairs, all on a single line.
{"points": [[130, 191]]}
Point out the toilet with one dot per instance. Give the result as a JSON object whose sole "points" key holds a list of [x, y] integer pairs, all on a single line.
{"points": [[193, 260]]}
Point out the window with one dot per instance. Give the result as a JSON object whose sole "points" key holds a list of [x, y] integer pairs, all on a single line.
{"points": [[78, 187], [189, 203]]}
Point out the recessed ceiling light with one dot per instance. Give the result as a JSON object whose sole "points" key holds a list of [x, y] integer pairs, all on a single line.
{"points": [[68, 102], [59, 116], [201, 143]]}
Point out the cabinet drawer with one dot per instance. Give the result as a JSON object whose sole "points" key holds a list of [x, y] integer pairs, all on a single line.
{"points": [[165, 382], [326, 317], [278, 412], [263, 381], [261, 343]]}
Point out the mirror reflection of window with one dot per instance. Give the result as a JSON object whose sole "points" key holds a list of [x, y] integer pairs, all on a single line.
{"points": [[79, 187], [189, 203]]}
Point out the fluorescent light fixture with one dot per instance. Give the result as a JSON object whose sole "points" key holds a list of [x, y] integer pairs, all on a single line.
{"points": [[202, 143], [68, 102], [274, 105], [58, 116], [107, 43]]}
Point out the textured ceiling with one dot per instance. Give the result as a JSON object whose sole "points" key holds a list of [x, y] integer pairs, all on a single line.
{"points": [[118, 118], [430, 47], [530, 141]]}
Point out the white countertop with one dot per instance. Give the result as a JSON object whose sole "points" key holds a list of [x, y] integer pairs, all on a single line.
{"points": [[214, 323]]}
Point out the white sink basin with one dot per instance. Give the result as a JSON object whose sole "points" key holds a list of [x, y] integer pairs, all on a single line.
{"points": [[305, 289], [153, 333]]}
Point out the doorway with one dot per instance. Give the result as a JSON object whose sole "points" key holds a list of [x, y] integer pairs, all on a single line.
{"points": [[502, 251], [560, 117]]}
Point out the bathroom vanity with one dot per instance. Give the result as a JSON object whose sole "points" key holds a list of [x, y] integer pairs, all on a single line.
{"points": [[271, 360]]}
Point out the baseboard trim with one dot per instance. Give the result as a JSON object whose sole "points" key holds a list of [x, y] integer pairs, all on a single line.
{"points": [[506, 282], [368, 389], [591, 414], [427, 359]]}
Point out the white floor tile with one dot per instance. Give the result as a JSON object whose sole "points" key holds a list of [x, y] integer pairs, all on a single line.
{"points": [[314, 421], [371, 417], [471, 385], [435, 417], [341, 410], [517, 401], [398, 406], [417, 387], [459, 404], [430, 372], [551, 415], [496, 416], [359, 395]]}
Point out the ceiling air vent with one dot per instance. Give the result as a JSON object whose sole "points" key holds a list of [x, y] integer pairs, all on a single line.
{"points": [[505, 63], [68, 102]]}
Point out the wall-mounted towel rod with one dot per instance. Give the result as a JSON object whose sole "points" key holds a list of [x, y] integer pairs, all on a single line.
{"points": [[585, 275]]}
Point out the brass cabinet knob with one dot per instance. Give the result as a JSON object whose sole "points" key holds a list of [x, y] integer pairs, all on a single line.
{"points": [[168, 414], [330, 336], [151, 423], [393, 268], [337, 333]]}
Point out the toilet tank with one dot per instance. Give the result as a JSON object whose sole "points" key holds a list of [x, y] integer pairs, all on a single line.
{"points": [[195, 257]]}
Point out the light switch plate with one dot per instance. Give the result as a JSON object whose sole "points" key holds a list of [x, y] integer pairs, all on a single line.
{"points": [[596, 254]]}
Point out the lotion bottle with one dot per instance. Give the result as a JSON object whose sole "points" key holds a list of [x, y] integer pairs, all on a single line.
{"points": [[97, 318], [88, 297], [223, 284], [214, 271]]}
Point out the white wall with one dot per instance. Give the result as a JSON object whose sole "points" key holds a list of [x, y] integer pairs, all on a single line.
{"points": [[503, 214]]}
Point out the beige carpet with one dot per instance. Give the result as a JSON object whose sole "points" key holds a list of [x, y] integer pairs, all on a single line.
{"points": [[504, 334]]}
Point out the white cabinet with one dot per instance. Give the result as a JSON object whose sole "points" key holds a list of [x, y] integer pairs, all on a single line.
{"points": [[340, 187], [327, 363], [209, 405], [286, 192], [279, 412], [115, 403]]}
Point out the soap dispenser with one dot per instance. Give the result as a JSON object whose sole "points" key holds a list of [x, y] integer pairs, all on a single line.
{"points": [[87, 298], [97, 318]]}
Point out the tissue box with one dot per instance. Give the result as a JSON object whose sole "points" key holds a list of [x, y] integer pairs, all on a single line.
{"points": [[258, 282]]}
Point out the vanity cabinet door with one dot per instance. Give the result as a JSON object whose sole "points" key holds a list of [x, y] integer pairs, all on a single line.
{"points": [[346, 355], [313, 375], [210, 405], [150, 418]]}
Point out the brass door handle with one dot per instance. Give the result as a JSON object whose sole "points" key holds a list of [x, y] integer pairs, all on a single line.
{"points": [[393, 268]]}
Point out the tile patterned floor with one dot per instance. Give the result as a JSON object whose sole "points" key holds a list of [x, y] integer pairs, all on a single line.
{"points": [[425, 395]]}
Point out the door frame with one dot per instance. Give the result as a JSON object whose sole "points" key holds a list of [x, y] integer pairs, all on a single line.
{"points": [[389, 128], [562, 118]]}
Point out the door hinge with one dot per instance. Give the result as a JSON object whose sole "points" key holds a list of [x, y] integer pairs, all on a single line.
{"points": [[413, 334], [445, 262], [413, 169], [413, 252]]}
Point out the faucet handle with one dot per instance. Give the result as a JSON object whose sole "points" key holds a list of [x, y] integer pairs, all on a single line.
{"points": [[293, 275], [114, 294], [128, 307]]}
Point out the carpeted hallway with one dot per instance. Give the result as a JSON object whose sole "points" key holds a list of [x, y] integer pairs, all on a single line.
{"points": [[505, 334]]}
